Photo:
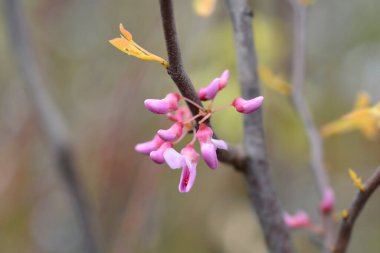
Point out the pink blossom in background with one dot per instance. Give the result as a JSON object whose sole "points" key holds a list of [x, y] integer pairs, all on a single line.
{"points": [[327, 202]]}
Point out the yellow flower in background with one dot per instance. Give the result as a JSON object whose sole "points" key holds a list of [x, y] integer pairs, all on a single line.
{"points": [[362, 101], [306, 2], [204, 8], [126, 44], [363, 118], [344, 213], [274, 82], [356, 180]]}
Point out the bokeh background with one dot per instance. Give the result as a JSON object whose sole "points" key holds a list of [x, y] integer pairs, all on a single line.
{"points": [[135, 204]]}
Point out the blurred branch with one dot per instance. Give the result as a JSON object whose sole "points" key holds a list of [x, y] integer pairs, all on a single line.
{"points": [[301, 106], [51, 122], [354, 211], [233, 156], [257, 171]]}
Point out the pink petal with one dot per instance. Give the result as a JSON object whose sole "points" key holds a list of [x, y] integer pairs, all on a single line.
{"points": [[209, 92], [172, 133], [149, 146], [204, 133], [191, 155], [299, 220], [248, 106], [157, 156], [220, 144], [157, 106], [208, 151], [187, 178], [224, 79], [328, 201], [162, 106], [172, 99], [174, 159]]}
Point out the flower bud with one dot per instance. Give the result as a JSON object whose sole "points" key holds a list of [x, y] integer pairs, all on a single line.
{"points": [[248, 106], [328, 201], [162, 106], [299, 220], [224, 79], [157, 156], [172, 133], [209, 92], [149, 146]]}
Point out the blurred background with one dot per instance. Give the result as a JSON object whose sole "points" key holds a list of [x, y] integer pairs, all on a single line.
{"points": [[135, 204]]}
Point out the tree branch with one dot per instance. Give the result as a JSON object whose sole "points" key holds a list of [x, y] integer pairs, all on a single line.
{"points": [[51, 122], [302, 108], [233, 156], [176, 70], [257, 171], [354, 211]]}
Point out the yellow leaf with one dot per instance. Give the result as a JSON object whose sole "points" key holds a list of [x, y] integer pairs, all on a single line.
{"points": [[124, 32], [204, 8], [274, 82], [126, 44], [306, 2], [362, 100], [363, 118], [356, 180], [344, 213]]}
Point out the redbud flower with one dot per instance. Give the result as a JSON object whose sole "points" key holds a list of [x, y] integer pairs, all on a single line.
{"points": [[209, 92], [328, 201], [162, 106], [181, 115], [172, 133], [149, 146], [248, 106], [161, 150], [299, 220], [187, 160], [224, 79], [209, 145], [157, 156]]}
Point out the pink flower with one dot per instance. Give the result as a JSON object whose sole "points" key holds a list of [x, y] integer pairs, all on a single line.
{"points": [[209, 145], [224, 79], [328, 201], [187, 160], [248, 106], [172, 133], [157, 156], [180, 115], [149, 146], [162, 106], [209, 92], [299, 220], [161, 150]]}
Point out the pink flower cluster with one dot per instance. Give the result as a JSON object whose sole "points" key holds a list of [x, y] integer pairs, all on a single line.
{"points": [[161, 147]]}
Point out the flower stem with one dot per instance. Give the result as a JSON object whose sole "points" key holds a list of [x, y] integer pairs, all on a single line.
{"points": [[193, 103]]}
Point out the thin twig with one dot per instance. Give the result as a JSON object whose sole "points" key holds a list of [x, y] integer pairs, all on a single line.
{"points": [[257, 171], [354, 211], [233, 156], [301, 106], [51, 122], [176, 70]]}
